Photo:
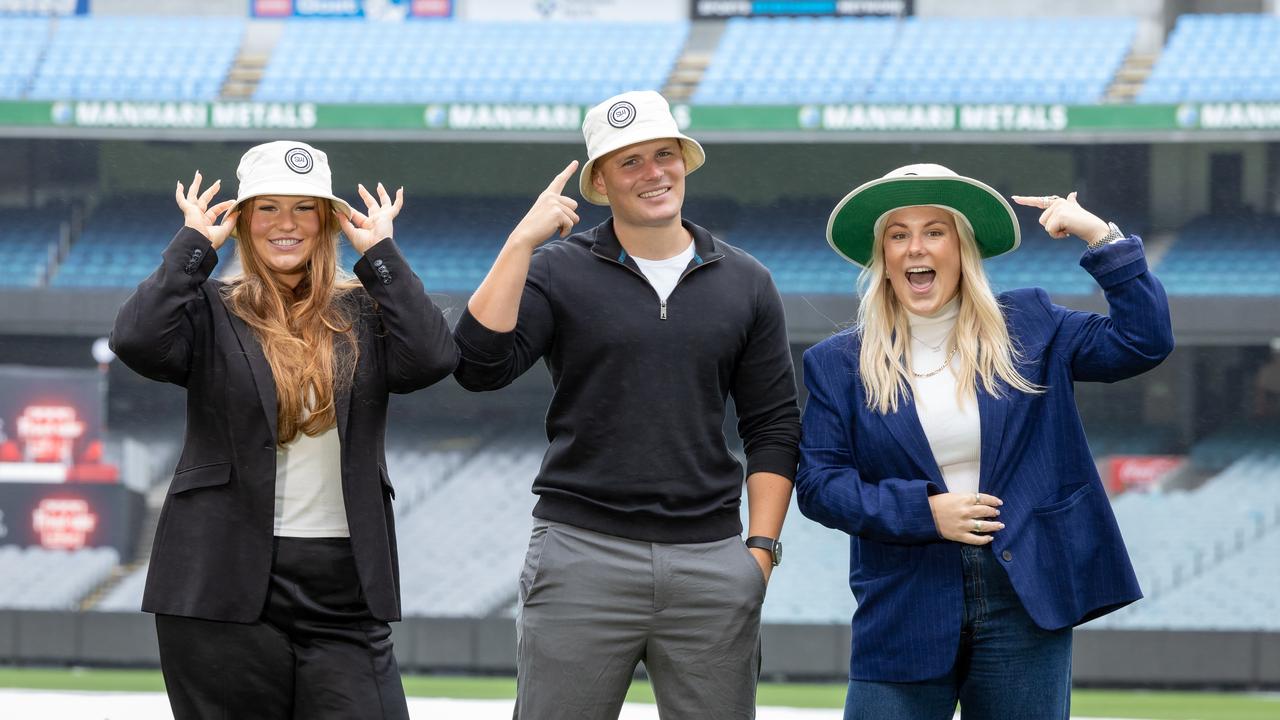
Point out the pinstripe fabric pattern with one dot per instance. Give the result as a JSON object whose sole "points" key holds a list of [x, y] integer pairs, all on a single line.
{"points": [[870, 475]]}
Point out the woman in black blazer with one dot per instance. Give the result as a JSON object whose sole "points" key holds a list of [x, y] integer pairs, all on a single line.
{"points": [[274, 574]]}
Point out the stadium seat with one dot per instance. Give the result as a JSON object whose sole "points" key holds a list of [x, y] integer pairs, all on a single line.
{"points": [[136, 58], [469, 61], [1217, 58], [1211, 254]]}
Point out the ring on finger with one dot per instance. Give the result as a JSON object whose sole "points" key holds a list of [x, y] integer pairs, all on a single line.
{"points": [[977, 526], [977, 498]]}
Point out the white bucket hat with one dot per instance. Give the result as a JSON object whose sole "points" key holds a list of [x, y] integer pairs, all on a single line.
{"points": [[286, 167], [632, 117]]}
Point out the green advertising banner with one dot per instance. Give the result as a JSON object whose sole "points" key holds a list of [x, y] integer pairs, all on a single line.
{"points": [[836, 119]]}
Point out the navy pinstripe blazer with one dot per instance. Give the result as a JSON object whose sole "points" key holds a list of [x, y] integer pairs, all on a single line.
{"points": [[871, 475]]}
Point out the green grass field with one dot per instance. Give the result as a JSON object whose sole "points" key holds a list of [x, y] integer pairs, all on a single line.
{"points": [[1084, 703]]}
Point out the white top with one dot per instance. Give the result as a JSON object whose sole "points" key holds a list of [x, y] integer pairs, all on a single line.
{"points": [[664, 274], [309, 500], [953, 428]]}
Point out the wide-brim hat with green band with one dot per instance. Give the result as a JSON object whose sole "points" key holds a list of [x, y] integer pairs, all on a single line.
{"points": [[852, 226]]}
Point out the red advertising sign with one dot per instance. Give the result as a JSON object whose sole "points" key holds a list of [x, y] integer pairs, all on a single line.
{"points": [[70, 516], [272, 8], [63, 523], [431, 8], [1141, 472], [51, 426]]}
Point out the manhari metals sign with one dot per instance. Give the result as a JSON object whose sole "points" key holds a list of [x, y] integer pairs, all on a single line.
{"points": [[1007, 119]]}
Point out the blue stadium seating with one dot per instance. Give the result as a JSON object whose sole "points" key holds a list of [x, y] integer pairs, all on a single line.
{"points": [[1233, 256], [796, 60], [561, 62], [120, 244], [40, 579], [1220, 577], [451, 242], [804, 60], [1236, 440], [1035, 60], [28, 242], [21, 42], [1217, 58], [137, 58]]}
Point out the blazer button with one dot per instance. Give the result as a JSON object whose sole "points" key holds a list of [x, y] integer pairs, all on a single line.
{"points": [[386, 281], [1007, 556], [377, 263]]}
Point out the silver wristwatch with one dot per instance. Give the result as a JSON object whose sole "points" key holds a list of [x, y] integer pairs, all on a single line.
{"points": [[1107, 239]]}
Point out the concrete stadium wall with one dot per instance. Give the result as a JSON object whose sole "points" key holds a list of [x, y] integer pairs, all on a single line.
{"points": [[791, 652], [756, 173], [1180, 181]]}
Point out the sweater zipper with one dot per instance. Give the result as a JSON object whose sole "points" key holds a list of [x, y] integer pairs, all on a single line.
{"points": [[662, 304]]}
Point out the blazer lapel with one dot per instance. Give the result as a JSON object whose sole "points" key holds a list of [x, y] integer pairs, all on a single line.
{"points": [[991, 414], [905, 427], [260, 368]]}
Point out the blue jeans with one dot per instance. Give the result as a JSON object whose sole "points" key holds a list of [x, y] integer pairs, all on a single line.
{"points": [[1007, 667]]}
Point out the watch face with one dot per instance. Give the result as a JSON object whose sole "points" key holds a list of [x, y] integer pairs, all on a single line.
{"points": [[777, 552]]}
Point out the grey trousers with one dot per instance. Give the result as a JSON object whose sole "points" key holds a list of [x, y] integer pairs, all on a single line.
{"points": [[593, 606]]}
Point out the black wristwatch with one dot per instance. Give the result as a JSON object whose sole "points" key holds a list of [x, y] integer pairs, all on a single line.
{"points": [[766, 543]]}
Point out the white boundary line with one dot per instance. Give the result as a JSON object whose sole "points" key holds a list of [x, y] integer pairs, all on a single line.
{"points": [[19, 704]]}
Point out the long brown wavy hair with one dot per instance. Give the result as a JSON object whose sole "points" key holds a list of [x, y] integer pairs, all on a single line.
{"points": [[297, 326]]}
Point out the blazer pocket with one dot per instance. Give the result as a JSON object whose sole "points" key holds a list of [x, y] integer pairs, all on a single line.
{"points": [[386, 482], [1069, 494], [876, 559], [201, 476]]}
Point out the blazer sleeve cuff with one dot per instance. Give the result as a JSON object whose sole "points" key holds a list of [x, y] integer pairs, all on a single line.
{"points": [[1115, 262], [381, 264], [918, 520], [479, 341], [191, 253]]}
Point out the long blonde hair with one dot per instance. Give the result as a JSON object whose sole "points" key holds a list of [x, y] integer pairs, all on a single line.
{"points": [[296, 327], [980, 336]]}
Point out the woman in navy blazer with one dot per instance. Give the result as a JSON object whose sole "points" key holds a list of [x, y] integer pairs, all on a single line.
{"points": [[941, 434], [273, 575]]}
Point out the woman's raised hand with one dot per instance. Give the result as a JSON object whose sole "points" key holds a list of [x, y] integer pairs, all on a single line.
{"points": [[364, 230], [204, 219], [1065, 216], [966, 517]]}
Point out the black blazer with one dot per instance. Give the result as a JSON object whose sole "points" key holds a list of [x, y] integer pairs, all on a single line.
{"points": [[213, 547]]}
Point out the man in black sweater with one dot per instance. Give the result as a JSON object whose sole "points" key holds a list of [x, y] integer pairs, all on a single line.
{"points": [[647, 323]]}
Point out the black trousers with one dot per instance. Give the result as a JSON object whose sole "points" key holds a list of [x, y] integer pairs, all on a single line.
{"points": [[315, 654]]}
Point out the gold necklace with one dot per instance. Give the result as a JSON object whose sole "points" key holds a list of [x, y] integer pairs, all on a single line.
{"points": [[945, 364]]}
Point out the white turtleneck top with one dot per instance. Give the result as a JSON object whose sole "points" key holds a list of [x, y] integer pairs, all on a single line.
{"points": [[951, 425]]}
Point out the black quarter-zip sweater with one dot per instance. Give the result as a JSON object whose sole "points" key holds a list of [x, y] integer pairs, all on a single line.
{"points": [[637, 448]]}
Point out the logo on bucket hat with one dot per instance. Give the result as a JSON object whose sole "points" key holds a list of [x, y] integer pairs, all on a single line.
{"points": [[299, 160], [621, 114]]}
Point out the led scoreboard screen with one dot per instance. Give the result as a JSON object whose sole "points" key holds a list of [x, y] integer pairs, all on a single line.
{"points": [[57, 489], [709, 9]]}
